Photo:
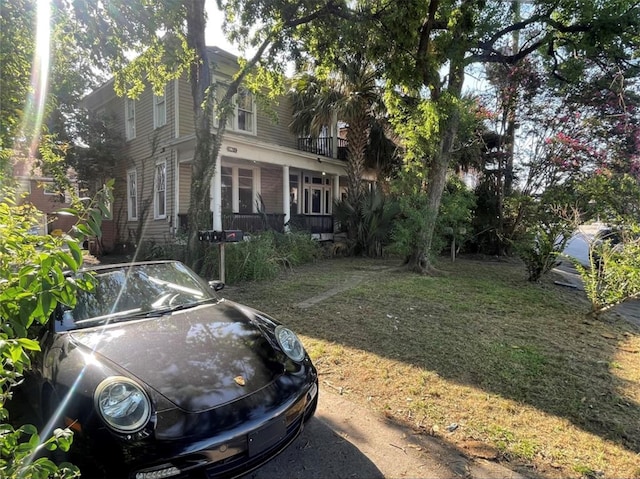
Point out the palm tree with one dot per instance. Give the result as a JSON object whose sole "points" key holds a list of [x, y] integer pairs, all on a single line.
{"points": [[351, 94]]}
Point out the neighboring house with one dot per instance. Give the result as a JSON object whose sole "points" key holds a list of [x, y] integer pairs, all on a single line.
{"points": [[262, 171], [40, 191]]}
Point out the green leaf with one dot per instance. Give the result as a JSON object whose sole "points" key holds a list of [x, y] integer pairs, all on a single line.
{"points": [[68, 260], [29, 344], [76, 252], [68, 212]]}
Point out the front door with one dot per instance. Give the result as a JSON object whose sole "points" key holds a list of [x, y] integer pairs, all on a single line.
{"points": [[317, 195]]}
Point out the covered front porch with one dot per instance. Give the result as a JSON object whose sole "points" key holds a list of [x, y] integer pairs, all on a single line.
{"points": [[261, 187]]}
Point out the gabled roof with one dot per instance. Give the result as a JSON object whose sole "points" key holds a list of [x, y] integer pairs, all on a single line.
{"points": [[104, 92]]}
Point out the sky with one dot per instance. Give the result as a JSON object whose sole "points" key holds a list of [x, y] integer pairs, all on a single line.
{"points": [[213, 33]]}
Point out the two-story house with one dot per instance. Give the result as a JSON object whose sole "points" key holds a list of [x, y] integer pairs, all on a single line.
{"points": [[262, 167]]}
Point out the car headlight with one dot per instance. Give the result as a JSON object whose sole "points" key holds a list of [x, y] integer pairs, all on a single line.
{"points": [[123, 404], [289, 343]]}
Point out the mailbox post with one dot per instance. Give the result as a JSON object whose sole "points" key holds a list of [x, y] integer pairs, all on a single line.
{"points": [[221, 237]]}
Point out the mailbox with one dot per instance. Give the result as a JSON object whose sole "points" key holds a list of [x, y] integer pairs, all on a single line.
{"points": [[225, 236], [232, 236]]}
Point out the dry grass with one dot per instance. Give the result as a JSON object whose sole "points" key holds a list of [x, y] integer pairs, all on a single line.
{"points": [[515, 365]]}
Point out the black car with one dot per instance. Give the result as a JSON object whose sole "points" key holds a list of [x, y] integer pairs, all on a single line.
{"points": [[159, 377]]}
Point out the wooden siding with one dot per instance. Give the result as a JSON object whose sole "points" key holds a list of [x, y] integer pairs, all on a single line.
{"points": [[173, 139], [185, 188], [142, 153], [185, 114], [271, 189], [278, 132], [268, 129]]}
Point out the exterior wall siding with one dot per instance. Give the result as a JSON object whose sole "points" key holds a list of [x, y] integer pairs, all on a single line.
{"points": [[185, 188], [271, 189], [277, 132], [142, 153]]}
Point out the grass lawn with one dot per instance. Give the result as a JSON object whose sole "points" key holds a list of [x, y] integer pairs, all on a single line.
{"points": [[515, 365]]}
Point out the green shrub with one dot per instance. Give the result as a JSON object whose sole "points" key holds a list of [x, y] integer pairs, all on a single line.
{"points": [[261, 257], [151, 250], [613, 275], [33, 281]]}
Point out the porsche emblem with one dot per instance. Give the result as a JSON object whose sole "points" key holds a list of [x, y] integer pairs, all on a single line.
{"points": [[239, 380]]}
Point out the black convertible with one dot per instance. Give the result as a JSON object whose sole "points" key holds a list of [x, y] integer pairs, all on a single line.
{"points": [[159, 377]]}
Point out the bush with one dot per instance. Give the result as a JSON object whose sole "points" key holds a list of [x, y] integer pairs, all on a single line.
{"points": [[151, 250], [261, 257], [32, 283], [614, 272]]}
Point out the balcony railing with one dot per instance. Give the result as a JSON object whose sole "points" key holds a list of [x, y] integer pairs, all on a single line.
{"points": [[323, 146]]}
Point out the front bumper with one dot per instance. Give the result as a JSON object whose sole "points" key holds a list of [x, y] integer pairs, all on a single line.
{"points": [[227, 441], [239, 453]]}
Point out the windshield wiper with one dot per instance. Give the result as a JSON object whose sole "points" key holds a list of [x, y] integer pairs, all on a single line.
{"points": [[173, 309], [109, 317]]}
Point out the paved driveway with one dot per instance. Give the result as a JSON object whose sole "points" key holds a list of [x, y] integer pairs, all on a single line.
{"points": [[346, 441]]}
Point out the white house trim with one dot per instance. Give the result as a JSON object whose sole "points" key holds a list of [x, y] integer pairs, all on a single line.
{"points": [[286, 197], [216, 196]]}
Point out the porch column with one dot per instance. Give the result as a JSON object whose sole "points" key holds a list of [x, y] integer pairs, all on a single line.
{"points": [[335, 133], [286, 197], [336, 187], [176, 195], [216, 196]]}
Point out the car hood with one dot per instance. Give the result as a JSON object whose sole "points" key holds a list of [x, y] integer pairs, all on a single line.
{"points": [[197, 358]]}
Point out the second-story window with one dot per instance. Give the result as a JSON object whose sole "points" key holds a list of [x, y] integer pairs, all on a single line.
{"points": [[243, 116], [160, 193], [132, 195], [159, 110], [130, 118], [245, 110]]}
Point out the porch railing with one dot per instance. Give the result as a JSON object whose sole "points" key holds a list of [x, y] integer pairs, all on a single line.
{"points": [[314, 224], [256, 222], [247, 222], [253, 222], [323, 146]]}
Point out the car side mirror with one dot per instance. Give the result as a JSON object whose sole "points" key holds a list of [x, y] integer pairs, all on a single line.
{"points": [[216, 285]]}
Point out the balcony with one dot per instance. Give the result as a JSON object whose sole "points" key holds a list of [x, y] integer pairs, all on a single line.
{"points": [[323, 146]]}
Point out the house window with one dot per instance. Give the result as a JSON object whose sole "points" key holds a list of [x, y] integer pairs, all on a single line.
{"points": [[132, 195], [245, 110], [293, 193], [238, 189], [160, 196], [245, 190], [243, 116], [221, 90], [226, 173], [130, 118], [159, 110]]}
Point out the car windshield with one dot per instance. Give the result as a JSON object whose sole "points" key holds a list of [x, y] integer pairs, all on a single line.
{"points": [[127, 292]]}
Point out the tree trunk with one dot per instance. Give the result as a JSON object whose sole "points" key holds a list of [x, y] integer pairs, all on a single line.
{"points": [[419, 259], [357, 137], [204, 160]]}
